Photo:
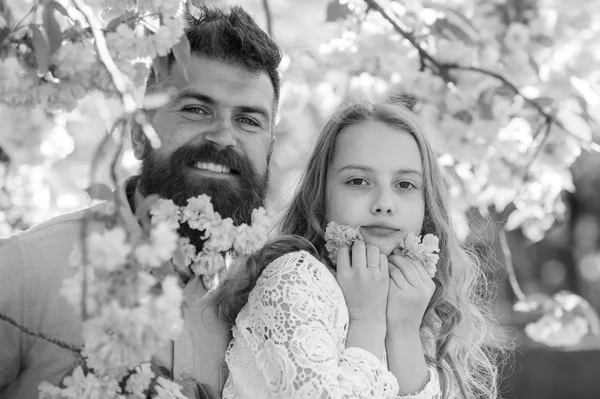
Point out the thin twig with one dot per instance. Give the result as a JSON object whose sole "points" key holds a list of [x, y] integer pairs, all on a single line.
{"points": [[512, 276], [268, 16], [408, 36], [33, 9], [127, 98], [548, 124], [56, 342]]}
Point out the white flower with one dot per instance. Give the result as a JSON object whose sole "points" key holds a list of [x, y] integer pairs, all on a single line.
{"points": [[108, 249], [82, 386], [72, 59], [163, 242], [167, 389], [188, 251], [165, 211], [167, 36], [199, 213], [558, 331], [138, 382], [422, 250], [338, 236], [221, 235], [167, 8], [248, 239], [208, 263]]}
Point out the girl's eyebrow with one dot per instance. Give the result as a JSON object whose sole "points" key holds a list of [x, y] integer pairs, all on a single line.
{"points": [[365, 168]]}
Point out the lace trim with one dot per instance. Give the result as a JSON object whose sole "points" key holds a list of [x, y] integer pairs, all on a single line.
{"points": [[429, 390]]}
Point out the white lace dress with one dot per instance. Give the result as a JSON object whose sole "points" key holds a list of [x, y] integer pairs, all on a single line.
{"points": [[289, 341]]}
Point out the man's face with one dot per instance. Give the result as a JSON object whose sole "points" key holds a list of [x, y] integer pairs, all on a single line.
{"points": [[215, 137]]}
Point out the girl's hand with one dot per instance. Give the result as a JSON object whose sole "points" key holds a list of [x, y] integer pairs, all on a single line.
{"points": [[364, 280], [410, 291]]}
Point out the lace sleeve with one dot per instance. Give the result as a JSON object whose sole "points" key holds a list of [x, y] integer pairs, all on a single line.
{"points": [[296, 324], [431, 389]]}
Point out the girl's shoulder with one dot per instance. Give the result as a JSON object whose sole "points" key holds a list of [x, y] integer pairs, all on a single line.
{"points": [[299, 268]]}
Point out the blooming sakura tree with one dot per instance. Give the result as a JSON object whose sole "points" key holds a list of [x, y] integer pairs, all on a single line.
{"points": [[506, 89]]}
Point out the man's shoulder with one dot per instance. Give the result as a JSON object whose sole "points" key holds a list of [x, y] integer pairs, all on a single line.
{"points": [[56, 225], [50, 237]]}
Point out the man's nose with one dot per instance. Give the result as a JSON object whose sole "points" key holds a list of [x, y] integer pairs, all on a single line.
{"points": [[222, 132], [383, 203]]}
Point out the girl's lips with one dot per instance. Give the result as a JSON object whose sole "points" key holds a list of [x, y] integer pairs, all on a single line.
{"points": [[378, 231]]}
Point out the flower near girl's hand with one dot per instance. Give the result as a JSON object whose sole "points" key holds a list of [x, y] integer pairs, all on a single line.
{"points": [[339, 236], [422, 250]]}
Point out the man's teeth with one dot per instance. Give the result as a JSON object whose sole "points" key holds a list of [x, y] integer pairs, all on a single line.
{"points": [[213, 167]]}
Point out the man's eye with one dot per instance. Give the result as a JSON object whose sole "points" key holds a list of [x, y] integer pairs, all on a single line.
{"points": [[195, 110], [357, 181], [248, 121]]}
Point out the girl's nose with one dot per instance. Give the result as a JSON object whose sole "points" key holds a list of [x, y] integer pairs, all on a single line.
{"points": [[383, 205]]}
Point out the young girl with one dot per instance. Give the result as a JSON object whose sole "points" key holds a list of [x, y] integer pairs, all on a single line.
{"points": [[375, 325]]}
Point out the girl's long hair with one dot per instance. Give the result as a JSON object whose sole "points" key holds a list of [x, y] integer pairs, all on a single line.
{"points": [[458, 326]]}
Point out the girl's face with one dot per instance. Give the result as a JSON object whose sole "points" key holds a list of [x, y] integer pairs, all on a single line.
{"points": [[375, 182]]}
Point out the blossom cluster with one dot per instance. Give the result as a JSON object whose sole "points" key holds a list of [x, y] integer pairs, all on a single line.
{"points": [[59, 67], [129, 314], [220, 236], [422, 249]]}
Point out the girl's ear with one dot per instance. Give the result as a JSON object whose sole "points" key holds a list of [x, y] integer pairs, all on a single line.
{"points": [[138, 141]]}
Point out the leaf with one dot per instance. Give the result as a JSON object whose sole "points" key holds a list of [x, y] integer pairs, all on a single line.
{"points": [[100, 191], [4, 32], [59, 7], [575, 124], [41, 50], [161, 66], [182, 52], [52, 28], [336, 11], [113, 23]]}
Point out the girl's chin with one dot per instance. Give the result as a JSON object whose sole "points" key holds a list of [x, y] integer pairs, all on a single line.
{"points": [[385, 245]]}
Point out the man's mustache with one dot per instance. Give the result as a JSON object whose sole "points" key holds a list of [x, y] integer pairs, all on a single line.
{"points": [[190, 155]]}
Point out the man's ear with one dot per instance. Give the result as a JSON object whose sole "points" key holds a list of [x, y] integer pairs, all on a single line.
{"points": [[139, 141]]}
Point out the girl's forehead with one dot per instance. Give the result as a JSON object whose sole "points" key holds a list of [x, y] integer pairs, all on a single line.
{"points": [[377, 143]]}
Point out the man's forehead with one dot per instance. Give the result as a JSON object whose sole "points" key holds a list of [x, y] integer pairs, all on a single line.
{"points": [[225, 82]]}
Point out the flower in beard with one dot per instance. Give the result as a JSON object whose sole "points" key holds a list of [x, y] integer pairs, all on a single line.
{"points": [[208, 263], [165, 211], [175, 177], [249, 239], [199, 213], [220, 236]]}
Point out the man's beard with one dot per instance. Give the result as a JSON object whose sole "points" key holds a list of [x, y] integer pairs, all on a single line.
{"points": [[173, 178]]}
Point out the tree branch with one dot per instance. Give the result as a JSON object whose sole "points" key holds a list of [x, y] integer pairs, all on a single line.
{"points": [[443, 71], [434, 64], [41, 336], [268, 16], [512, 276], [127, 98]]}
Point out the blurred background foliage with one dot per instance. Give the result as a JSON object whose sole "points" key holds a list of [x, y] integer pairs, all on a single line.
{"points": [[508, 91]]}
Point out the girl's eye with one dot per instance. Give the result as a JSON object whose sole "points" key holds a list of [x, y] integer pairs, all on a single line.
{"points": [[357, 182], [406, 185]]}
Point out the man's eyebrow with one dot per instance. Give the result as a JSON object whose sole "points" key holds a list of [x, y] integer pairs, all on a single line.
{"points": [[194, 96], [255, 110]]}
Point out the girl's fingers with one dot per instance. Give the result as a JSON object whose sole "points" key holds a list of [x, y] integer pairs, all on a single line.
{"points": [[372, 257], [409, 269], [359, 255], [383, 264], [398, 278], [343, 259]]}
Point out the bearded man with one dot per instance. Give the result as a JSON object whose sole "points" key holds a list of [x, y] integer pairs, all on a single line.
{"points": [[216, 136]]}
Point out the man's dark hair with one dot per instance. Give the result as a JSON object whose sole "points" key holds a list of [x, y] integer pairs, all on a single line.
{"points": [[233, 37]]}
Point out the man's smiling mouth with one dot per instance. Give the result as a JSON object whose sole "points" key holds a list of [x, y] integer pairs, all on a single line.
{"points": [[213, 167]]}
